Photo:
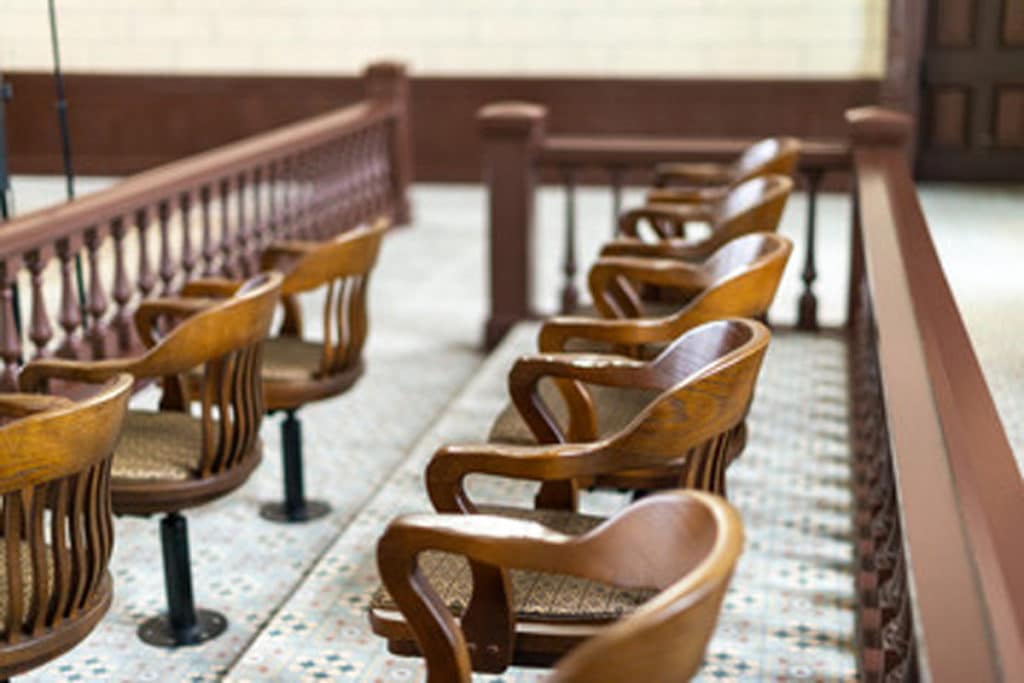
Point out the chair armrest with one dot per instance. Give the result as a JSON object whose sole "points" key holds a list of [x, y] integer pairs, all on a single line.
{"points": [[282, 252], [686, 195], [150, 311], [691, 251], [524, 380], [611, 279], [692, 173], [627, 334], [23, 405], [490, 543], [451, 464], [677, 215], [211, 287], [34, 376]]}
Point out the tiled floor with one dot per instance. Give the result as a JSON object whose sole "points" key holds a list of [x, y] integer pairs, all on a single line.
{"points": [[365, 450]]}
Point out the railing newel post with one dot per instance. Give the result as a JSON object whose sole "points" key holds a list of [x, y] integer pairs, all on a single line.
{"points": [[390, 81], [512, 135]]}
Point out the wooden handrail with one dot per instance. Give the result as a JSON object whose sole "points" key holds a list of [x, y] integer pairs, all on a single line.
{"points": [[209, 214], [955, 480]]}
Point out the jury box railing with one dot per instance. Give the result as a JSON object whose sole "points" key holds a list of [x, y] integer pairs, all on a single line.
{"points": [[93, 259], [939, 561]]}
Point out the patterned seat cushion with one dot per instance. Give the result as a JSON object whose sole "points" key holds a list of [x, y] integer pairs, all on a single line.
{"points": [[162, 445], [536, 596], [27, 579], [290, 359], [615, 408]]}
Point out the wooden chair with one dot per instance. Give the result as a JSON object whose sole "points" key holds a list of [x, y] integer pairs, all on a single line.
{"points": [[170, 460], [685, 432], [702, 181], [57, 523], [756, 205], [660, 568], [297, 371]]}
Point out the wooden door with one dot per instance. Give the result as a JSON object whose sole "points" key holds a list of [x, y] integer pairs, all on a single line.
{"points": [[972, 97]]}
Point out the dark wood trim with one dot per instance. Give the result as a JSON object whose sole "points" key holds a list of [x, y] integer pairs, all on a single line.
{"points": [[122, 124]]}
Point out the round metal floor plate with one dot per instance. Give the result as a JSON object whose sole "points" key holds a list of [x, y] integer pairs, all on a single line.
{"points": [[157, 630], [277, 512]]}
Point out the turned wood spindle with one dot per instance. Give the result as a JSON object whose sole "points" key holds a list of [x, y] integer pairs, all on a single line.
{"points": [[188, 254], [570, 295], [226, 267], [122, 288], [147, 279], [39, 329], [70, 317], [208, 248], [10, 339], [97, 301], [168, 269]]}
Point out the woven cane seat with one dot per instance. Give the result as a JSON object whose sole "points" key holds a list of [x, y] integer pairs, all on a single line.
{"points": [[536, 596], [615, 408], [291, 359], [165, 445], [28, 582]]}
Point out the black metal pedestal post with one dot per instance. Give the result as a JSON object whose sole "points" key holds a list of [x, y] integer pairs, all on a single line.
{"points": [[295, 507], [183, 624], [807, 313]]}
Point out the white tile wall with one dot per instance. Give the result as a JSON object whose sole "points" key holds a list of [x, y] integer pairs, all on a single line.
{"points": [[715, 38]]}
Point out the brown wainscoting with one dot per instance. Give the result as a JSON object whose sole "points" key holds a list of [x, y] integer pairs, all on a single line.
{"points": [[126, 123]]}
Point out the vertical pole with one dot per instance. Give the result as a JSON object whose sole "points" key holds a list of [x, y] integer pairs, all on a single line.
{"points": [[512, 134], [807, 316], [389, 81], [570, 296], [181, 607], [294, 490]]}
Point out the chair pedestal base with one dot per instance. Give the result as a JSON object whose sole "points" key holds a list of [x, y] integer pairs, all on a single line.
{"points": [[295, 507], [183, 624]]}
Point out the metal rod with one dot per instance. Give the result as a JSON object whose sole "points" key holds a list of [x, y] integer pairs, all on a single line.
{"points": [[569, 294], [65, 149], [181, 606], [807, 317]]}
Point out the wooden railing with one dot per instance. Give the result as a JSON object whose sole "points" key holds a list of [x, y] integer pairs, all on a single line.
{"points": [[518, 152], [210, 214], [939, 498]]}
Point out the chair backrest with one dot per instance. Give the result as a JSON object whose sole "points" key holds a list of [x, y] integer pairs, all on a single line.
{"points": [[342, 265], [226, 340], [754, 205], [746, 274], [712, 370], [687, 542], [56, 519], [772, 155]]}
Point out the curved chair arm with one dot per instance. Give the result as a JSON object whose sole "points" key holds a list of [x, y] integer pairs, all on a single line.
{"points": [[611, 277], [677, 215], [23, 405], [282, 252], [34, 376], [210, 287], [685, 195], [150, 311], [691, 251], [628, 334], [451, 464], [524, 380], [692, 174]]}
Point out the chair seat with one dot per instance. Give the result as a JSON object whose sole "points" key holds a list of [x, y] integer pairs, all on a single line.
{"points": [[28, 578], [536, 596], [652, 309], [292, 374], [158, 446], [615, 408]]}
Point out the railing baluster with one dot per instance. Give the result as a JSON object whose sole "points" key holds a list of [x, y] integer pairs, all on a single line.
{"points": [[807, 315], [97, 300], [242, 237], [226, 268], [259, 236], [39, 329], [570, 295], [188, 254], [272, 189], [167, 266], [615, 173], [146, 279], [70, 313], [122, 288], [286, 226], [10, 339], [209, 250]]}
